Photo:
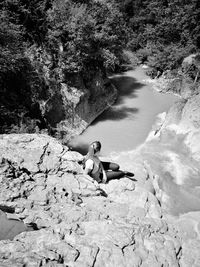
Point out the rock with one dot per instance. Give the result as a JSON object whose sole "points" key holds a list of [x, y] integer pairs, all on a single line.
{"points": [[79, 224], [148, 186], [10, 227], [190, 253], [190, 114], [72, 156], [172, 158], [71, 109], [153, 207]]}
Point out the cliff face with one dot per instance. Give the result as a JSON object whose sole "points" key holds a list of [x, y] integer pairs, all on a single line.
{"points": [[173, 152], [184, 81], [44, 96], [72, 109], [73, 101]]}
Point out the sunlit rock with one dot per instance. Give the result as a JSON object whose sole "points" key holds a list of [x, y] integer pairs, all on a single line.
{"points": [[77, 223]]}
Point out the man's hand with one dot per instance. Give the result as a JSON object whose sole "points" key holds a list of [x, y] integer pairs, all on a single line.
{"points": [[95, 183], [104, 180]]}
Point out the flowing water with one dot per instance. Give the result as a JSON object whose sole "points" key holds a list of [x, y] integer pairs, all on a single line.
{"points": [[127, 123]]}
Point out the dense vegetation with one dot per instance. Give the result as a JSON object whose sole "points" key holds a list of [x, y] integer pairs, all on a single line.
{"points": [[45, 42], [163, 32]]}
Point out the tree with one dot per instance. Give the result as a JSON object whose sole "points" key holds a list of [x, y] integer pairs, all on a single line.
{"points": [[168, 28], [91, 35]]}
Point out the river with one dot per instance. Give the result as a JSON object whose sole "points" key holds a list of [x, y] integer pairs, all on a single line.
{"points": [[126, 124]]}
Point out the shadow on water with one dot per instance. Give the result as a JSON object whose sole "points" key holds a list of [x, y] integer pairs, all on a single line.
{"points": [[115, 113], [126, 87]]}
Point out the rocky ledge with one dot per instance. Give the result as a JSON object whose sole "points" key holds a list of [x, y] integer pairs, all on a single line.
{"points": [[80, 224]]}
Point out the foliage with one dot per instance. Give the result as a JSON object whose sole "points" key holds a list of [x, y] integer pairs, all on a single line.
{"points": [[163, 32], [77, 38], [88, 36], [20, 85], [80, 38]]}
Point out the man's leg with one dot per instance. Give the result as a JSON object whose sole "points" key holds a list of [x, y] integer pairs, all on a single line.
{"points": [[110, 166], [111, 175]]}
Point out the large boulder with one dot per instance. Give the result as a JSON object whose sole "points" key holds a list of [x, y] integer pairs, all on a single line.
{"points": [[76, 222]]}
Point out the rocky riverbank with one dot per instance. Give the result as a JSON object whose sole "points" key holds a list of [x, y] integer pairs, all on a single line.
{"points": [[152, 221], [118, 224]]}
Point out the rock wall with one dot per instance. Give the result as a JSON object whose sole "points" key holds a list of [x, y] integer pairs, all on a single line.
{"points": [[171, 156], [183, 81], [72, 101], [80, 224], [173, 152], [72, 109], [172, 148]]}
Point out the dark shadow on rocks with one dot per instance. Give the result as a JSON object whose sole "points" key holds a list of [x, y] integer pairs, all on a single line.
{"points": [[32, 226], [7, 209], [11, 227], [82, 148], [102, 192]]}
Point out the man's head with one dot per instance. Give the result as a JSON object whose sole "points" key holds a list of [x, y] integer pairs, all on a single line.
{"points": [[96, 146]]}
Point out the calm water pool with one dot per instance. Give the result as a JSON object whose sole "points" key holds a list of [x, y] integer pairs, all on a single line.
{"points": [[127, 123]]}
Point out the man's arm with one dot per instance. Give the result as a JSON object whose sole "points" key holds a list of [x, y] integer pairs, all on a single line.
{"points": [[88, 169], [89, 165], [89, 178]]}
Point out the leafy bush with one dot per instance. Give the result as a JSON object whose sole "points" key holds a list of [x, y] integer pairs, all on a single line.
{"points": [[86, 36], [163, 32]]}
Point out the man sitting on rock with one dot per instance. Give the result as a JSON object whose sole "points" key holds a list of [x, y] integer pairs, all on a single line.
{"points": [[100, 171]]}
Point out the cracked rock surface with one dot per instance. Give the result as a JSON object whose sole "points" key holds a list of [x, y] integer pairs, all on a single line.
{"points": [[78, 224]]}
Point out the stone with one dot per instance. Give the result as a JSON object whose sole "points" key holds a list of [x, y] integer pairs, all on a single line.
{"points": [[77, 223], [72, 156], [153, 207], [190, 253]]}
